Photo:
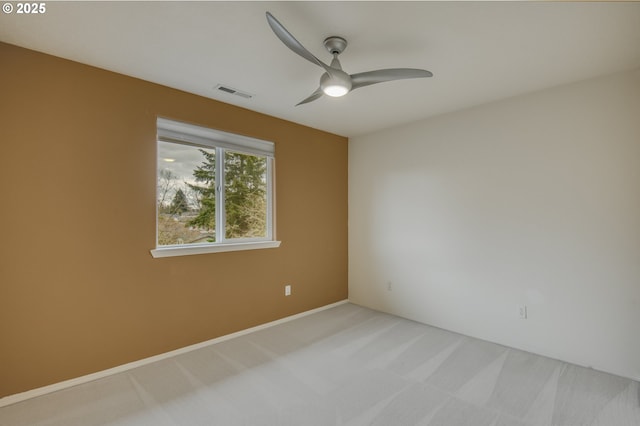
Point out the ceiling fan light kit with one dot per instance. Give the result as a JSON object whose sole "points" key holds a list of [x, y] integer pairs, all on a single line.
{"points": [[334, 81], [333, 86]]}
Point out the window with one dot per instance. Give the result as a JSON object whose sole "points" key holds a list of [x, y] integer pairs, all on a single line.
{"points": [[214, 191]]}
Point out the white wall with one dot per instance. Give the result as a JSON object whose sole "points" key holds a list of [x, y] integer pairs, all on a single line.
{"points": [[532, 200]]}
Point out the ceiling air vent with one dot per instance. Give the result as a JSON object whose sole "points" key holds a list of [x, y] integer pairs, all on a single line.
{"points": [[231, 90]]}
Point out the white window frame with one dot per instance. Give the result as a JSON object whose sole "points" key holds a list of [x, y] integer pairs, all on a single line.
{"points": [[188, 134]]}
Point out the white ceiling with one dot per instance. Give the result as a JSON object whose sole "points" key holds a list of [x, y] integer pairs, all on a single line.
{"points": [[478, 51]]}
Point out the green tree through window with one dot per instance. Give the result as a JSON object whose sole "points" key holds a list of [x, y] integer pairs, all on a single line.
{"points": [[179, 204], [205, 174], [245, 195]]}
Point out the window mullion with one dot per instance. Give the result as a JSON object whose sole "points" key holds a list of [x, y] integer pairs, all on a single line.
{"points": [[220, 214]]}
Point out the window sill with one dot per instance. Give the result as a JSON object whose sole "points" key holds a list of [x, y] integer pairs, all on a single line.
{"points": [[219, 248]]}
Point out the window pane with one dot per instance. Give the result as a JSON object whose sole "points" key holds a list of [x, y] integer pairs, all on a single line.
{"points": [[245, 195], [186, 194]]}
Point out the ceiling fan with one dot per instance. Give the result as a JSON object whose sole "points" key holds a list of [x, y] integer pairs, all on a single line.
{"points": [[335, 82]]}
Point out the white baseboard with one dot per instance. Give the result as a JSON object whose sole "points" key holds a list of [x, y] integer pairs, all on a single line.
{"points": [[19, 397]]}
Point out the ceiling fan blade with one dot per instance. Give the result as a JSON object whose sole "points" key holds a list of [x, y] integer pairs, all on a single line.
{"points": [[380, 76], [315, 95], [293, 44]]}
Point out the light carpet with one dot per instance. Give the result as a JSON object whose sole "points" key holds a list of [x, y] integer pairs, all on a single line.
{"points": [[347, 365]]}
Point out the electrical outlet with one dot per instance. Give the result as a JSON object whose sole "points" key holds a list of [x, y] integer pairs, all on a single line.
{"points": [[522, 311], [287, 290]]}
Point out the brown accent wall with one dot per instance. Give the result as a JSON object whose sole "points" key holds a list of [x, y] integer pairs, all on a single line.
{"points": [[79, 290]]}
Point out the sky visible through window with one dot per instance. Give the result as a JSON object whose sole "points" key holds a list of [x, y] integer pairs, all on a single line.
{"points": [[181, 160]]}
